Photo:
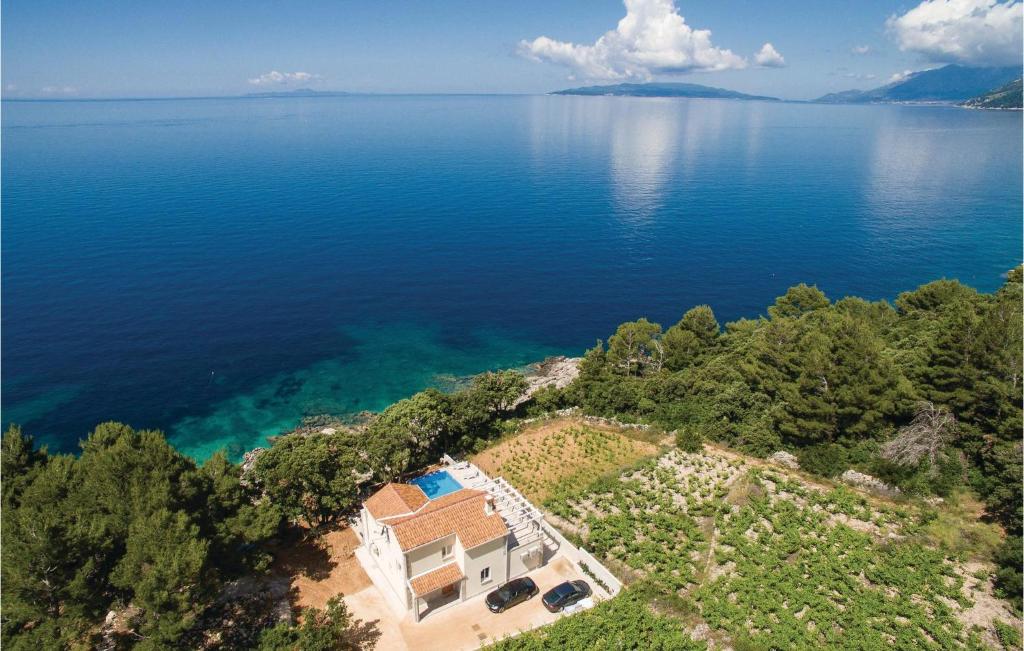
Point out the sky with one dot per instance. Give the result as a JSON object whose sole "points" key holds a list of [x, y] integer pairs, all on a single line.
{"points": [[795, 49]]}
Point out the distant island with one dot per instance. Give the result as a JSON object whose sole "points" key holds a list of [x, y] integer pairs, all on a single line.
{"points": [[950, 84], [1004, 97], [299, 92], [662, 90]]}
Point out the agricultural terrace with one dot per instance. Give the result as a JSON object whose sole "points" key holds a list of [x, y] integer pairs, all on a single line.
{"points": [[755, 557], [564, 452]]}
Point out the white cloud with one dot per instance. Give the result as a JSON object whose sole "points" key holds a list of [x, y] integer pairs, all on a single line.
{"points": [[58, 90], [850, 74], [275, 78], [973, 32], [769, 57], [652, 39], [860, 49], [900, 76]]}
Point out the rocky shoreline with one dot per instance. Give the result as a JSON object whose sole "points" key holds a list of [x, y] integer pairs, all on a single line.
{"points": [[556, 372]]}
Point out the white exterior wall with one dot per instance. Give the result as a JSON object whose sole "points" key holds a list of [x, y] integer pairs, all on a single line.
{"points": [[428, 557], [385, 552], [491, 554], [520, 561]]}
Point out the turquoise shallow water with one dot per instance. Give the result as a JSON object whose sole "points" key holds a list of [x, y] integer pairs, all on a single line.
{"points": [[382, 365], [220, 268]]}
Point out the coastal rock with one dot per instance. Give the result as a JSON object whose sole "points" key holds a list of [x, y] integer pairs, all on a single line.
{"points": [[868, 483], [785, 459], [249, 460], [557, 372], [117, 627]]}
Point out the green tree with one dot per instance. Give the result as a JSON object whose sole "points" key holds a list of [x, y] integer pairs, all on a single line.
{"points": [[1009, 561], [313, 478], [1000, 339], [234, 516], [934, 296], [19, 463], [798, 301], [129, 522], [689, 439], [498, 391], [687, 342], [329, 629], [410, 432], [634, 348], [163, 566], [49, 568]]}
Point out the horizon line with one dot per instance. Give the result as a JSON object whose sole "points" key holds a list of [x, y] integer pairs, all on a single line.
{"points": [[264, 95]]}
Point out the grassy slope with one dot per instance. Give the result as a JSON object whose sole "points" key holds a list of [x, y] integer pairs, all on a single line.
{"points": [[755, 556], [1004, 97], [562, 454]]}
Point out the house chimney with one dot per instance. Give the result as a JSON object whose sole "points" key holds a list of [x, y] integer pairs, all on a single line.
{"points": [[489, 505]]}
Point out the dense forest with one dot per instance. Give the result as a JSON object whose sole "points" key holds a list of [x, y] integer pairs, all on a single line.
{"points": [[134, 528], [924, 393]]}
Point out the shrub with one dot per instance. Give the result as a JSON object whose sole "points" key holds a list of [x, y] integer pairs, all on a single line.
{"points": [[689, 439], [826, 459], [546, 400], [1008, 635], [1009, 582]]}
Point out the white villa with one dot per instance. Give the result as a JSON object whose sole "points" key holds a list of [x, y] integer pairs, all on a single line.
{"points": [[475, 534]]}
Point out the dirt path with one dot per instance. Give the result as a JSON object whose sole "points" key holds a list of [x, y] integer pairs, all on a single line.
{"points": [[319, 570]]}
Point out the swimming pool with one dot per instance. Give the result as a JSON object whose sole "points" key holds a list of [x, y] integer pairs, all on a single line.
{"points": [[437, 484]]}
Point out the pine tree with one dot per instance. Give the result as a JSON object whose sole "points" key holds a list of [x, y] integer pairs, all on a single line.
{"points": [[689, 341]]}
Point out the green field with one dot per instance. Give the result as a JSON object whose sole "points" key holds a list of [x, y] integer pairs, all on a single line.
{"points": [[756, 557]]}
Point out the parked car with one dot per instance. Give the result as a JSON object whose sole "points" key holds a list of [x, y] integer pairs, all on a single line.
{"points": [[565, 594], [514, 592]]}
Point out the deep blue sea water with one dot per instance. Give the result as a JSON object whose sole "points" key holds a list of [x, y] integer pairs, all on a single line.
{"points": [[218, 268]]}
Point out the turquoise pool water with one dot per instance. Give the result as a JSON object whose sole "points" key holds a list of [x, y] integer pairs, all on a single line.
{"points": [[436, 484]]}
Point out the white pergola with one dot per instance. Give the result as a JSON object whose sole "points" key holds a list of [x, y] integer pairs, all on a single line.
{"points": [[521, 517]]}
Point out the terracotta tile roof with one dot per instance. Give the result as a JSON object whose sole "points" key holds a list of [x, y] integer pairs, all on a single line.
{"points": [[395, 499], [461, 513], [424, 584], [446, 501]]}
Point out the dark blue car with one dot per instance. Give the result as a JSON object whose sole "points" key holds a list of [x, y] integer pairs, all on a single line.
{"points": [[565, 594]]}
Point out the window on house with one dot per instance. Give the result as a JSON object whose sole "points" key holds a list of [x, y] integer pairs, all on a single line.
{"points": [[485, 575], [446, 551]]}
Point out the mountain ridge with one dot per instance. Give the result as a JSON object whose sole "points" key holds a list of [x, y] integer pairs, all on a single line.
{"points": [[659, 89], [949, 84]]}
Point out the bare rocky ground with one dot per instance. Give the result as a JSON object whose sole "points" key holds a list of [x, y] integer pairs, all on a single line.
{"points": [[555, 372]]}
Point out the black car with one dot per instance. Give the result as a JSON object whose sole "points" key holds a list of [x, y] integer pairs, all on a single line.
{"points": [[510, 594], [565, 594]]}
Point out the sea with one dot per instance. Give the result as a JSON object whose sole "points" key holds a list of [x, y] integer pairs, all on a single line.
{"points": [[220, 268]]}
